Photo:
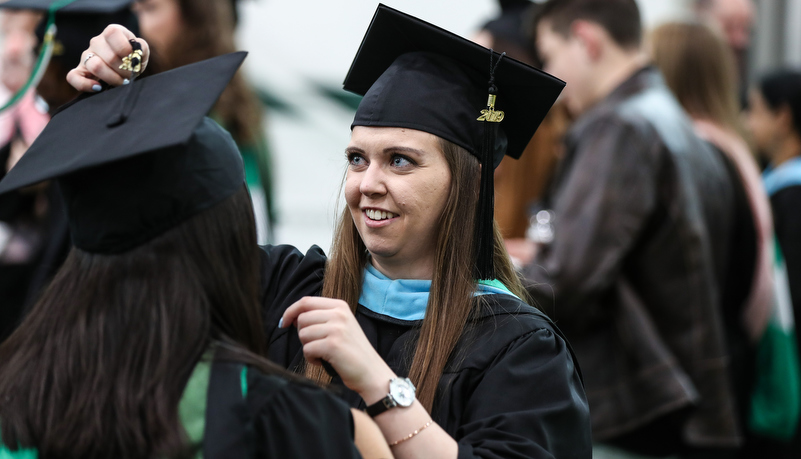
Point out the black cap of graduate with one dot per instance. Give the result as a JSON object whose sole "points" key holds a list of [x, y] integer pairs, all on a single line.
{"points": [[137, 160], [416, 75]]}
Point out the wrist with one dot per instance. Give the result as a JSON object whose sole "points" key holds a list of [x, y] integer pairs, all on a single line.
{"points": [[378, 387], [401, 394]]}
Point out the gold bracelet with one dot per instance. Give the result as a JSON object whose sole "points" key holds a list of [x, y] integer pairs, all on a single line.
{"points": [[411, 435]]}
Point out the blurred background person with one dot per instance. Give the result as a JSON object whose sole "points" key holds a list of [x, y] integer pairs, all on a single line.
{"points": [[774, 119], [21, 224], [185, 31], [520, 183], [698, 67], [643, 211], [36, 240], [22, 115], [509, 30], [734, 19], [18, 39]]}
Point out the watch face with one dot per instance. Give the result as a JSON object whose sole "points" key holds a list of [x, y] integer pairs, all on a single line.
{"points": [[402, 390]]}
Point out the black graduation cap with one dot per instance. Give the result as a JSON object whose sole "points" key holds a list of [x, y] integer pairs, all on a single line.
{"points": [[134, 161], [416, 75]]}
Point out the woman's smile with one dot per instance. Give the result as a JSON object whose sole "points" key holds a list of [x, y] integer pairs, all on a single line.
{"points": [[377, 218]]}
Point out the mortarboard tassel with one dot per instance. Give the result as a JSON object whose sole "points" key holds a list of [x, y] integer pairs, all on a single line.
{"points": [[132, 63], [485, 212]]}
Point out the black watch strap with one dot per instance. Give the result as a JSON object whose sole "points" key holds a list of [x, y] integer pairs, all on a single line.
{"points": [[380, 406]]}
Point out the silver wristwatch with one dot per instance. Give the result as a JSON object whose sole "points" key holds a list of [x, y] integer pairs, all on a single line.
{"points": [[401, 393]]}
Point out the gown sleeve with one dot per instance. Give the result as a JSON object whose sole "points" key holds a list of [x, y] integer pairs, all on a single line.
{"points": [[287, 275], [300, 420], [529, 403]]}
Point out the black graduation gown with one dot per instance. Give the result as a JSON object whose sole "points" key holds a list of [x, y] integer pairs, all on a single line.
{"points": [[512, 388], [249, 414], [276, 419]]}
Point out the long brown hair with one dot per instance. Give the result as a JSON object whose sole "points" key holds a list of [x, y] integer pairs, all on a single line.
{"points": [[451, 301], [99, 366], [208, 32], [699, 68]]}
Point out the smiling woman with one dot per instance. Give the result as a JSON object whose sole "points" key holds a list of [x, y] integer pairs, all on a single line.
{"points": [[418, 289], [418, 282]]}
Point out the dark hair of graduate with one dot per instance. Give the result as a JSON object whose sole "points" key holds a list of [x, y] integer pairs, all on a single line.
{"points": [[700, 69], [620, 18], [451, 301], [98, 367], [208, 32], [782, 89]]}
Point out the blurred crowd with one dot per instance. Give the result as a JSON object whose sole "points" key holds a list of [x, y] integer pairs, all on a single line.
{"points": [[655, 215], [658, 224]]}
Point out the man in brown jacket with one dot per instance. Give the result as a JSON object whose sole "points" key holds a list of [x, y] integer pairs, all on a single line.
{"points": [[642, 220]]}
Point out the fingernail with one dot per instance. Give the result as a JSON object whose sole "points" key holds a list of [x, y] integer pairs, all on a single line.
{"points": [[281, 323], [126, 81], [97, 88]]}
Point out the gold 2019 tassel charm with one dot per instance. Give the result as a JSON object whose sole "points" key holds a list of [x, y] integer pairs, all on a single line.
{"points": [[133, 61], [489, 113]]}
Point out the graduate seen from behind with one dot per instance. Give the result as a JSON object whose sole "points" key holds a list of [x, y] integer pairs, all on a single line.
{"points": [[418, 284], [148, 341]]}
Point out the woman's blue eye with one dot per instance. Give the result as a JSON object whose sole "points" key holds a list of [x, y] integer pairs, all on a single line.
{"points": [[355, 160], [400, 161]]}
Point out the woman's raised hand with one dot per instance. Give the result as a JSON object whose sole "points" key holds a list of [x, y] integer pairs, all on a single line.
{"points": [[330, 332], [102, 60]]}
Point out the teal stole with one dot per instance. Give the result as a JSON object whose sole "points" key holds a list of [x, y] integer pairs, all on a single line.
{"points": [[407, 299]]}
